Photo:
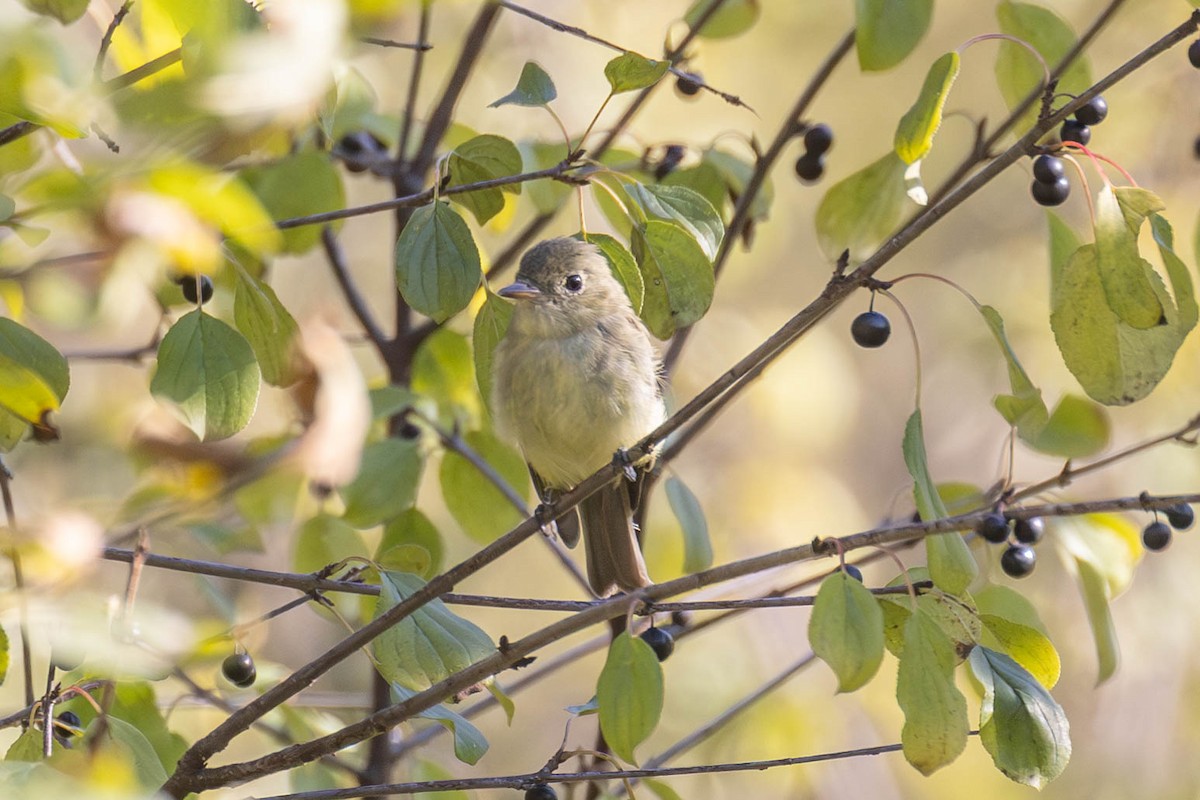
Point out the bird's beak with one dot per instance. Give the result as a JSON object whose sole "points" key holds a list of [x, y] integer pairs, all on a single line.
{"points": [[519, 290]]}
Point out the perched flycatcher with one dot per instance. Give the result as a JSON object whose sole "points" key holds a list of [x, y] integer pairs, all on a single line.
{"points": [[574, 380]]}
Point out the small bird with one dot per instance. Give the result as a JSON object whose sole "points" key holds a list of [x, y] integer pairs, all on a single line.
{"points": [[575, 379]]}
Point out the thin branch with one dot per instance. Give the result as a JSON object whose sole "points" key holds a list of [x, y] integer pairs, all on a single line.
{"points": [[420, 46], [414, 81], [522, 781], [354, 299], [14, 556], [106, 41], [144, 71]]}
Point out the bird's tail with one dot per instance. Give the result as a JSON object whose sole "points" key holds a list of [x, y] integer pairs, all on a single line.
{"points": [[614, 560]]}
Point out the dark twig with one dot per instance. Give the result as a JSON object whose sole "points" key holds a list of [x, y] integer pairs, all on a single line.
{"points": [[414, 82], [354, 299], [420, 46], [106, 41]]}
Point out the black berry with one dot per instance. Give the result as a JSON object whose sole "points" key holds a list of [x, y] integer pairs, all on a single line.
{"points": [[1196, 147], [870, 329], [1180, 516], [359, 149], [188, 284], [818, 139], [1194, 54], [810, 168], [853, 572], [1075, 131], [70, 723], [689, 85], [661, 642], [670, 160], [1156, 536], [540, 791], [1050, 194], [1018, 560], [408, 431], [239, 669], [1029, 531], [1048, 169], [993, 528], [1094, 112]]}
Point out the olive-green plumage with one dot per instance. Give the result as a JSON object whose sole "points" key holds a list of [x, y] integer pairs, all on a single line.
{"points": [[575, 379]]}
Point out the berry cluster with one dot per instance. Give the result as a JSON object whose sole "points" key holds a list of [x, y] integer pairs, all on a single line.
{"points": [[1050, 185], [1157, 535], [817, 141], [1079, 129], [1019, 558]]}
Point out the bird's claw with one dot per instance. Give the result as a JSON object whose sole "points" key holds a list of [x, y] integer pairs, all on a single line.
{"points": [[625, 464]]}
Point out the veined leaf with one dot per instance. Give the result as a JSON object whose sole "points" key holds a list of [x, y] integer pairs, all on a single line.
{"points": [[629, 72], [491, 323], [437, 262], [484, 158], [860, 211], [208, 371], [1124, 274], [1021, 726], [1018, 72], [685, 207], [269, 328], [678, 276], [470, 745], [918, 126], [935, 711], [623, 267], [1028, 646]]}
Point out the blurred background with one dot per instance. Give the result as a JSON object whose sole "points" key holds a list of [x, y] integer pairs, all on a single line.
{"points": [[813, 449]]}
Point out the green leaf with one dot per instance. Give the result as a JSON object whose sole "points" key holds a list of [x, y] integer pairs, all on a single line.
{"points": [[65, 11], [484, 158], [846, 630], [443, 370], [1028, 646], [887, 30], [430, 644], [1095, 591], [386, 483], [629, 72], [951, 564], [736, 172], [1024, 408], [4, 655], [678, 276], [1004, 602], [1077, 428], [24, 392], [534, 88], [208, 371], [956, 616], [136, 704], [661, 790], [918, 126], [323, 540], [7, 207], [697, 547], [134, 749], [547, 195], [1124, 274], [1020, 724], [688, 208], [411, 538], [297, 186], [34, 379], [1018, 72], [470, 745], [491, 323], [630, 693], [476, 504], [935, 712], [623, 266], [1115, 363], [437, 262], [26, 747], [733, 18], [269, 328], [860, 211], [501, 697]]}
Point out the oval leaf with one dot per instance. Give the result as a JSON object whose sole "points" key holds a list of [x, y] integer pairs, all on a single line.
{"points": [[1021, 726], [887, 30], [1018, 72], [534, 88], [697, 547], [630, 694], [386, 483], [412, 530], [491, 323], [484, 158], [733, 18], [296, 186], [629, 72], [269, 328], [623, 266], [430, 644], [914, 134], [860, 211], [437, 262], [208, 371], [678, 277], [1124, 274], [483, 511], [686, 207], [1027, 646], [846, 630], [935, 711]]}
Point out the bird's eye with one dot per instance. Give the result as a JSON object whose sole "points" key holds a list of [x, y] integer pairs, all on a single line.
{"points": [[574, 283]]}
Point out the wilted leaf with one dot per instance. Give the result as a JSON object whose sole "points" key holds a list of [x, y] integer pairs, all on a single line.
{"points": [[918, 126], [1028, 646], [470, 745]]}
